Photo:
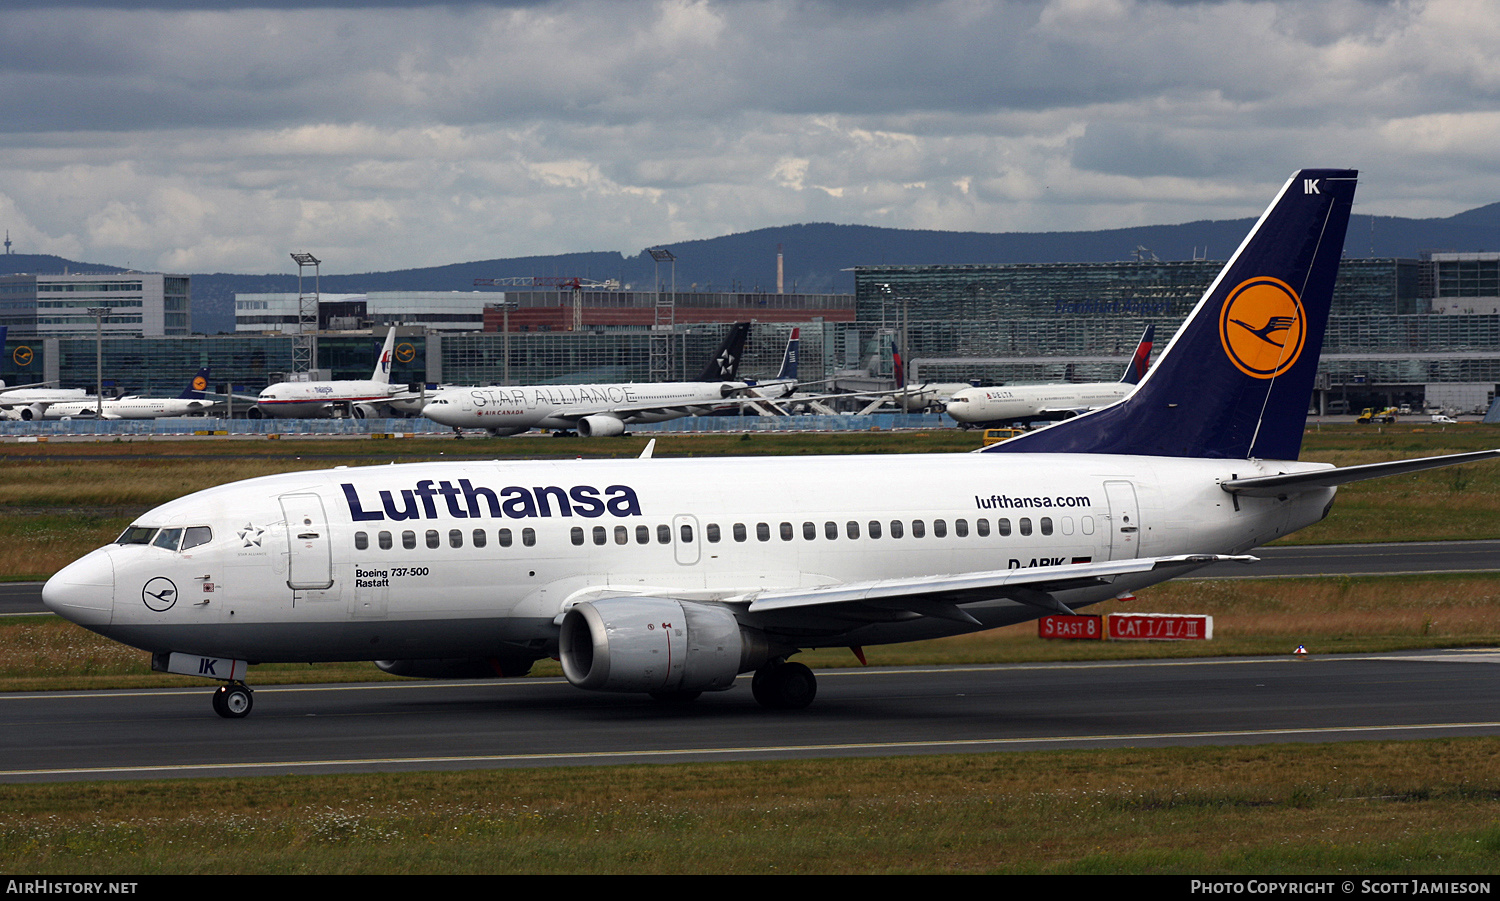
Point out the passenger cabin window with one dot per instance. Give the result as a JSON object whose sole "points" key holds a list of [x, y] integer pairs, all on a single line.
{"points": [[480, 537], [455, 538], [433, 540], [918, 528], [528, 537], [1046, 525], [787, 532], [385, 541], [361, 541], [577, 536], [874, 528], [409, 540], [1025, 525], [939, 528], [711, 532], [982, 527], [763, 531], [896, 528], [1003, 526], [504, 536]]}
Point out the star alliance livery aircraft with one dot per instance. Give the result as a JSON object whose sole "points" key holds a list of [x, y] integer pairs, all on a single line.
{"points": [[594, 411], [673, 577]]}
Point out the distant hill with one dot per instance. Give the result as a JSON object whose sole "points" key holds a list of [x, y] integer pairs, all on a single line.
{"points": [[817, 257]]}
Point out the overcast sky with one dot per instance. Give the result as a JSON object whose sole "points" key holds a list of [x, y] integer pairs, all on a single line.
{"points": [[197, 137]]}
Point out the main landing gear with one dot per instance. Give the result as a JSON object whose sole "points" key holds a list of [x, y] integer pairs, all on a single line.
{"points": [[233, 701], [780, 685]]}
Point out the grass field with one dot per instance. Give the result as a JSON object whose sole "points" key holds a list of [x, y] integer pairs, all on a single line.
{"points": [[1355, 808], [1366, 808]]}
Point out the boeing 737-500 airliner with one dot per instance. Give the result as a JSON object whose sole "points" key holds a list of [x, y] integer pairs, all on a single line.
{"points": [[675, 576]]}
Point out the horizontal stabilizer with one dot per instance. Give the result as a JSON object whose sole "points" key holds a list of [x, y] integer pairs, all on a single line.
{"points": [[1297, 482]]}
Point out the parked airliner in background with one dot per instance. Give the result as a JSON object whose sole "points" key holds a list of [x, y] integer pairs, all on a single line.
{"points": [[594, 411], [191, 401], [358, 398], [915, 398], [784, 384], [674, 576], [30, 400], [1006, 404]]}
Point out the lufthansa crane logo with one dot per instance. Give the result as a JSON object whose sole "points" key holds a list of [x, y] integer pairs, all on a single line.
{"points": [[1263, 327], [405, 353], [159, 594], [200, 383]]}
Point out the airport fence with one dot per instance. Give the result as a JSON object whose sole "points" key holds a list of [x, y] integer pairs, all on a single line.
{"points": [[249, 428]]}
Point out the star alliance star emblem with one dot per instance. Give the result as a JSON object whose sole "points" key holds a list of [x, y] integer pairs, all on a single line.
{"points": [[250, 534]]}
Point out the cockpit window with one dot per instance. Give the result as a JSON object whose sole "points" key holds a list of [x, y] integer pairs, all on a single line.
{"points": [[136, 535], [167, 539], [196, 535]]}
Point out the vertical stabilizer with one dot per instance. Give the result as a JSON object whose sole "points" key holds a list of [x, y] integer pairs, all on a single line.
{"points": [[1140, 361], [382, 372], [1236, 379], [789, 359], [196, 387], [726, 361]]}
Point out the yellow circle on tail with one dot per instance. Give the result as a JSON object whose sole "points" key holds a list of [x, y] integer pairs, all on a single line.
{"points": [[1263, 327]]}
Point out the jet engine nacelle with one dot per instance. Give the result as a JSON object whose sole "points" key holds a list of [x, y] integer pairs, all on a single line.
{"points": [[656, 645], [730, 390], [599, 426], [33, 412], [458, 667], [364, 411]]}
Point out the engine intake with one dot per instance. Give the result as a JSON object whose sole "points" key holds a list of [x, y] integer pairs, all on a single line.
{"points": [[600, 426], [656, 645]]}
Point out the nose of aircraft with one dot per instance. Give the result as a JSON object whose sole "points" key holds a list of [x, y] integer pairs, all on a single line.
{"points": [[84, 590], [440, 413]]}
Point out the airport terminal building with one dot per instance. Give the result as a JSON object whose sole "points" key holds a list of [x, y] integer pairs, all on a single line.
{"points": [[1402, 330]]}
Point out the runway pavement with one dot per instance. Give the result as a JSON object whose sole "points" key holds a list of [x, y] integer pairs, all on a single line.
{"points": [[169, 733]]}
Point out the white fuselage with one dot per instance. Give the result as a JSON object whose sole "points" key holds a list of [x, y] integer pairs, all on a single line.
{"points": [[458, 559], [128, 408], [32, 403], [318, 400], [514, 409], [1018, 402]]}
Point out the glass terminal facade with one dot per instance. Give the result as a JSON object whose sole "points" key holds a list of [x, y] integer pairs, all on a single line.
{"points": [[1389, 333], [1399, 328]]}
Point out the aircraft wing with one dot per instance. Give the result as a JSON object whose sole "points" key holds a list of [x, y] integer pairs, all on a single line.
{"points": [[944, 596]]}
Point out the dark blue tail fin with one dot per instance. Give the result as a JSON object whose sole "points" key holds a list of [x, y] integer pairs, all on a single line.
{"points": [[1235, 381], [789, 360], [197, 386], [1141, 360]]}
